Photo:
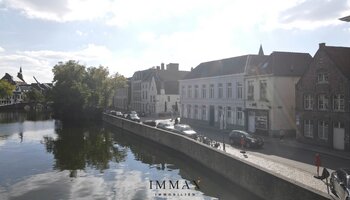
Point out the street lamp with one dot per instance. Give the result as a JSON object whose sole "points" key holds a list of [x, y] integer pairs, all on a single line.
{"points": [[346, 19]]}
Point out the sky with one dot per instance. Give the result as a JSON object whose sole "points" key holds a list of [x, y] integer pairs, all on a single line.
{"points": [[132, 35]]}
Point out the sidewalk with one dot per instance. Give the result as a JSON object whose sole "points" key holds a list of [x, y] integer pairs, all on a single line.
{"points": [[285, 142], [220, 135]]}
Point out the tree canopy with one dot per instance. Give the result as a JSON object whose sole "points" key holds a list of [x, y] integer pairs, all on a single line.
{"points": [[6, 89], [81, 92]]}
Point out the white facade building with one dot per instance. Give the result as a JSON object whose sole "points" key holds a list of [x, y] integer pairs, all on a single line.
{"points": [[155, 90], [213, 92], [270, 92]]}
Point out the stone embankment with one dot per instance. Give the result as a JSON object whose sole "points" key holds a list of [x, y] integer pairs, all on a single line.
{"points": [[264, 178]]}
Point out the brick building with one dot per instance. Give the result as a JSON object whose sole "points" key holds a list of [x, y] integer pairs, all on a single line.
{"points": [[323, 97]]}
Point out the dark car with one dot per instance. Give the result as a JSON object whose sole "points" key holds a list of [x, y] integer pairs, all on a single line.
{"points": [[249, 140], [133, 117], [150, 122], [340, 183]]}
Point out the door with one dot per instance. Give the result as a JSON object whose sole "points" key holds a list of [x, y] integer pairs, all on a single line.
{"points": [[339, 136], [251, 122], [211, 115]]}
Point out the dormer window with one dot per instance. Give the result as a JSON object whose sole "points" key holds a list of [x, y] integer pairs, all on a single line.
{"points": [[322, 77]]}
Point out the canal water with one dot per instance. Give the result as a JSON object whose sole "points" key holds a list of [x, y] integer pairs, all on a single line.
{"points": [[43, 158]]}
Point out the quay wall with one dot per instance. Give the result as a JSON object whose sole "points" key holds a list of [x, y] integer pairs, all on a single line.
{"points": [[255, 179]]}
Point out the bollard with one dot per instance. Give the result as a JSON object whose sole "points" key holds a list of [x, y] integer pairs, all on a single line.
{"points": [[318, 163]]}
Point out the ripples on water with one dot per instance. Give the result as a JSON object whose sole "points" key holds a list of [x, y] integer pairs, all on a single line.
{"points": [[41, 158]]}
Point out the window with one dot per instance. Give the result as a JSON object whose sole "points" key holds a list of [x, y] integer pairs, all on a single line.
{"points": [[308, 101], [308, 128], [220, 89], [250, 90], [204, 112], [228, 114], [323, 130], [322, 102], [229, 90], [188, 111], [189, 91], [338, 124], [196, 91], [204, 91], [239, 116], [219, 113], [322, 77], [211, 91], [168, 98], [239, 90], [263, 90], [183, 92], [182, 110], [196, 112], [338, 102]]}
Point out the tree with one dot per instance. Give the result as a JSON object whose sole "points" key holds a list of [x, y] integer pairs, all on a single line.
{"points": [[81, 92], [69, 93], [6, 89], [34, 96]]}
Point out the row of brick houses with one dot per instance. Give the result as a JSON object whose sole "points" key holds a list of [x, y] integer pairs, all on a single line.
{"points": [[287, 92], [284, 92]]}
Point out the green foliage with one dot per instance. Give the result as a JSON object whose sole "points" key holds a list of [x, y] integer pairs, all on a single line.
{"points": [[34, 96], [81, 92], [78, 147], [6, 89]]}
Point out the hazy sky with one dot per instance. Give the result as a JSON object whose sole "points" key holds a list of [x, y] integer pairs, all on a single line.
{"points": [[131, 35]]}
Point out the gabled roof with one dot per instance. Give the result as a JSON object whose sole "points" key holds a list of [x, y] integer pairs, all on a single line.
{"points": [[168, 80], [234, 65], [341, 57], [13, 80], [164, 79], [282, 64]]}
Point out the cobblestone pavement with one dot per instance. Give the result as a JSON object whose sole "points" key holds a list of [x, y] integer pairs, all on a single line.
{"points": [[290, 172]]}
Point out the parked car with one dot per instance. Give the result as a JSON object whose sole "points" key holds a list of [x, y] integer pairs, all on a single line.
{"points": [[250, 140], [118, 114], [150, 122], [186, 130], [340, 183], [112, 112], [133, 117], [165, 125]]}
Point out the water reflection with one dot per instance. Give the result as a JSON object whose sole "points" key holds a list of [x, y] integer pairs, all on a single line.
{"points": [[21, 116], [51, 160], [78, 147]]}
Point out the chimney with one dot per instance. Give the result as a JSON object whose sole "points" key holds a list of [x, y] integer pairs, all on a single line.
{"points": [[172, 67], [162, 66], [322, 45], [158, 68], [191, 68]]}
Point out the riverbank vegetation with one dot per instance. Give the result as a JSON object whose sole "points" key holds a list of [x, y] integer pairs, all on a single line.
{"points": [[81, 93]]}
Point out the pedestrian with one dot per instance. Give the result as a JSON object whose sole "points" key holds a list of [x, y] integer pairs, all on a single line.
{"points": [[176, 120], [318, 163], [281, 135], [242, 142]]}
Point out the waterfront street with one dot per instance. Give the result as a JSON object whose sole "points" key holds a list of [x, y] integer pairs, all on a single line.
{"points": [[287, 158]]}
